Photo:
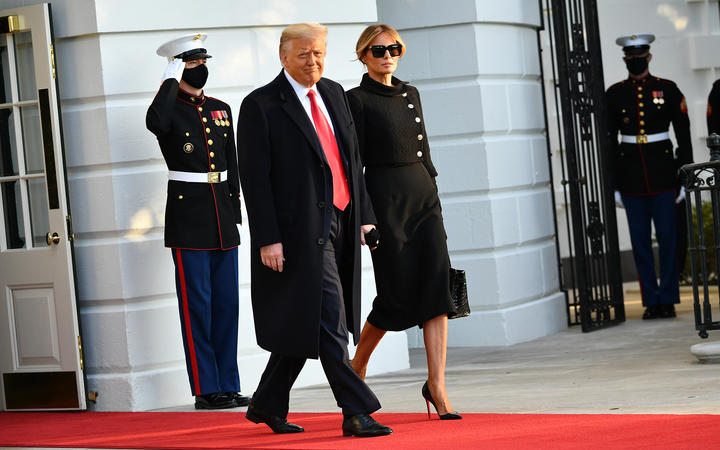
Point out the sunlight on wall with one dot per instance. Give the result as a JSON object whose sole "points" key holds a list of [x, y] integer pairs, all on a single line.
{"points": [[670, 13], [140, 224]]}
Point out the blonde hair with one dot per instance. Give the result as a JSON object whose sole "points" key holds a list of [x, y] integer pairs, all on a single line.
{"points": [[302, 30], [373, 31]]}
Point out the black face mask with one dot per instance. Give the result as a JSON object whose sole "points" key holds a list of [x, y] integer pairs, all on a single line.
{"points": [[636, 66], [196, 77]]}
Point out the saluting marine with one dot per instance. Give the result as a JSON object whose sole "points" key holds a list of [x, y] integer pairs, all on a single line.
{"points": [[196, 138], [644, 168]]}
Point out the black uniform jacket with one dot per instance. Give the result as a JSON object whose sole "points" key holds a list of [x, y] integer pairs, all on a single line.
{"points": [[713, 110], [287, 185], [642, 108], [196, 135]]}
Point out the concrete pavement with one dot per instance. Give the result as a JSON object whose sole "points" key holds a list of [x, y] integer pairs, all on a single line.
{"points": [[636, 367]]}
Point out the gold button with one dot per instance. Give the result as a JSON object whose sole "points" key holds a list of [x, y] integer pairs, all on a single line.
{"points": [[642, 122], [207, 130], [231, 194], [192, 99], [639, 95], [204, 119], [642, 131], [225, 134], [212, 166], [212, 154], [187, 134], [209, 141], [667, 151], [420, 137], [404, 94], [639, 88], [411, 106], [419, 153], [180, 197], [641, 113], [641, 104], [417, 119], [200, 108]]}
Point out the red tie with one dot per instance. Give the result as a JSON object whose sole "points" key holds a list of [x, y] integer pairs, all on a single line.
{"points": [[341, 194]]}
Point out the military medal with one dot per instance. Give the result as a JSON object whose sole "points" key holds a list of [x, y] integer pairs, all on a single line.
{"points": [[225, 116], [188, 147]]}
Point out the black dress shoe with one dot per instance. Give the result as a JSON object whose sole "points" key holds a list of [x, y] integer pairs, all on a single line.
{"points": [[240, 399], [216, 400], [667, 311], [651, 312], [362, 425], [277, 424]]}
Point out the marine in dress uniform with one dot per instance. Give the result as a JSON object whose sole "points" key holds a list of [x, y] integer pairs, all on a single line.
{"points": [[196, 138], [644, 168]]}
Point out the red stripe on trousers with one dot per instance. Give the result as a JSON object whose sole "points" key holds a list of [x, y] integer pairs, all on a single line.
{"points": [[188, 328]]}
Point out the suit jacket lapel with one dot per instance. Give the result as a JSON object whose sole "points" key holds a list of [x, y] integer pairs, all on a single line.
{"points": [[293, 108], [333, 107]]}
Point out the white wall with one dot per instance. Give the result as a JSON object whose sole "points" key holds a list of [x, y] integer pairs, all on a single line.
{"points": [[477, 68], [109, 73]]}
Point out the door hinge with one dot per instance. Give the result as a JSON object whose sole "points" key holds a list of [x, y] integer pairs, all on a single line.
{"points": [[70, 233], [52, 59], [80, 353]]}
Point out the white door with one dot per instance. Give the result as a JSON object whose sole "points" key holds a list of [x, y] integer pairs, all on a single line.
{"points": [[40, 351]]}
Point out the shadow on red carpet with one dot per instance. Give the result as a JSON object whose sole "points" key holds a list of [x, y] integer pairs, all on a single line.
{"points": [[224, 430]]}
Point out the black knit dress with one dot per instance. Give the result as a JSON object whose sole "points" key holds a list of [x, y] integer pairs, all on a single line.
{"points": [[411, 263]]}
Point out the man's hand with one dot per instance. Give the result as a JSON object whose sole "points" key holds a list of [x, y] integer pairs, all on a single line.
{"points": [[174, 69], [365, 229], [681, 195], [272, 256], [618, 200]]}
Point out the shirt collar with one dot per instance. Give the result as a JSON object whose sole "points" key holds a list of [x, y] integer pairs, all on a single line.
{"points": [[300, 90]]}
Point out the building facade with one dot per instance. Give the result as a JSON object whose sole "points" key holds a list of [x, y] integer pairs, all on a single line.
{"points": [[477, 67]]}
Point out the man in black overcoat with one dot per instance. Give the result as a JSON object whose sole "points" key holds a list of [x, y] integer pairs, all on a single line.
{"points": [[308, 211]]}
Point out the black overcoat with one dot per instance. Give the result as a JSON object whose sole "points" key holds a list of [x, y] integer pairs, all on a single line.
{"points": [[287, 185]]}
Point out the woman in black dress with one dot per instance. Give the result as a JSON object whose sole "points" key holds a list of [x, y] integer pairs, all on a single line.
{"points": [[411, 263]]}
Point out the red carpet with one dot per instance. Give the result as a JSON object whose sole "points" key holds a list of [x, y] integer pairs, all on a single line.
{"points": [[322, 431]]}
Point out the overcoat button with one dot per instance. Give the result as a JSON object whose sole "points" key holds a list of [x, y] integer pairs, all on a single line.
{"points": [[411, 106], [419, 153], [420, 137], [321, 241], [417, 119]]}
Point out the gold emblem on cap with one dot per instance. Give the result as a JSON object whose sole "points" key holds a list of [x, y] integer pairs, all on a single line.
{"points": [[633, 37], [197, 36]]}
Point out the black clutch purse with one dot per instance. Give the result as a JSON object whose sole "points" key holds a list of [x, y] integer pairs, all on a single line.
{"points": [[458, 292]]}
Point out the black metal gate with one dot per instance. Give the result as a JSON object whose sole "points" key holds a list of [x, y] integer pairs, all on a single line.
{"points": [[590, 276]]}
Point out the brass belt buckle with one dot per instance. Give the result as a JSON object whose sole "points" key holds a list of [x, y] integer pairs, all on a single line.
{"points": [[213, 177], [641, 138]]}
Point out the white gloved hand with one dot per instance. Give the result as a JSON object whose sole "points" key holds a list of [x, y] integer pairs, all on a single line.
{"points": [[681, 195], [618, 200], [174, 69]]}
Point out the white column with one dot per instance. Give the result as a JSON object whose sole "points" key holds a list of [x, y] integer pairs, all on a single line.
{"points": [[477, 68], [109, 74]]}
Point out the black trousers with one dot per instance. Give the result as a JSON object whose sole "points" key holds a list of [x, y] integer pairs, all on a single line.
{"points": [[353, 396]]}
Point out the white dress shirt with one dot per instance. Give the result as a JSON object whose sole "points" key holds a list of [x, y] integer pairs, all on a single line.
{"points": [[302, 93]]}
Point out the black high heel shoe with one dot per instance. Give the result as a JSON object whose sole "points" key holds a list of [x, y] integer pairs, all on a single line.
{"points": [[428, 399]]}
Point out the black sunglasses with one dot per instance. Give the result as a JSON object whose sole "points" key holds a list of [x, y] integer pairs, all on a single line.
{"points": [[378, 51]]}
